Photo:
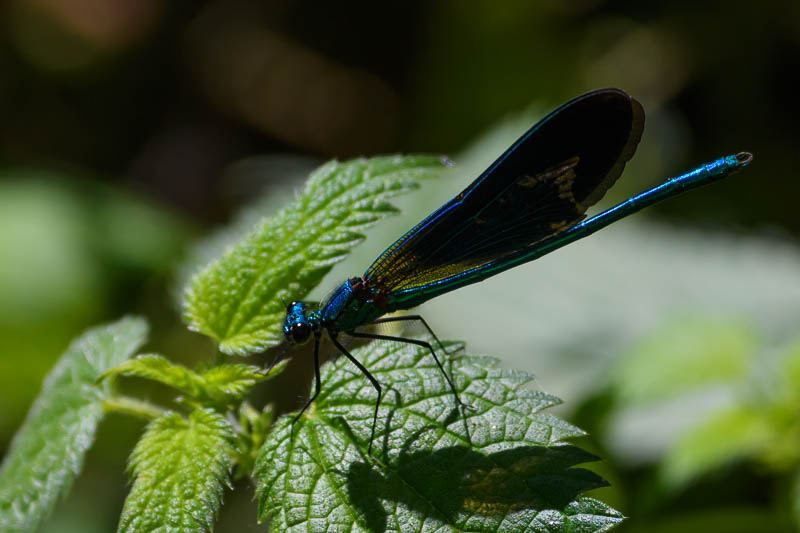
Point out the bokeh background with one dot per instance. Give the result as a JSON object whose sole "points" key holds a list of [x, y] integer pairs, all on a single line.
{"points": [[131, 132]]}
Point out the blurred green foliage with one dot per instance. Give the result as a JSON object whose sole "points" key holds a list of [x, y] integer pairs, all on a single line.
{"points": [[48, 450], [116, 130], [685, 354], [71, 249], [746, 439]]}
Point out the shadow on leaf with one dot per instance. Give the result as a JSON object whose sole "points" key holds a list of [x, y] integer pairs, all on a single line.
{"points": [[456, 483]]}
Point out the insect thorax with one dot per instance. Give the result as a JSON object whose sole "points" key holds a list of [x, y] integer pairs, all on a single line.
{"points": [[354, 303]]}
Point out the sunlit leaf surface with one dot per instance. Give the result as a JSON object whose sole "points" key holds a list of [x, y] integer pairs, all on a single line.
{"points": [[180, 469], [48, 451], [503, 465], [240, 299], [216, 385]]}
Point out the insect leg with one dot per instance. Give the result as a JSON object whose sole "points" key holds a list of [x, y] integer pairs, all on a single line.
{"points": [[318, 381], [372, 380], [274, 362], [418, 343], [409, 318]]}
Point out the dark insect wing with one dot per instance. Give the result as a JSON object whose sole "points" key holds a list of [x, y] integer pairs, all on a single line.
{"points": [[539, 187], [528, 203]]}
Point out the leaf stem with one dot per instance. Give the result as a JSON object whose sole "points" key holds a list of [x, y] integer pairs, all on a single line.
{"points": [[132, 406]]}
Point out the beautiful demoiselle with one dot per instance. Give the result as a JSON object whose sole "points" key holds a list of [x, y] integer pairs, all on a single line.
{"points": [[529, 202]]}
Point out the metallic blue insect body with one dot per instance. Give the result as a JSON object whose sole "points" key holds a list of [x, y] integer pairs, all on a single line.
{"points": [[529, 202]]}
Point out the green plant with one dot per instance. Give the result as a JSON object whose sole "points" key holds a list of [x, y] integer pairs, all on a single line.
{"points": [[724, 399], [504, 465]]}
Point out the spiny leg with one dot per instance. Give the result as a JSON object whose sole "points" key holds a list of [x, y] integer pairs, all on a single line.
{"points": [[418, 343], [406, 318], [274, 362], [372, 380], [318, 381], [435, 337]]}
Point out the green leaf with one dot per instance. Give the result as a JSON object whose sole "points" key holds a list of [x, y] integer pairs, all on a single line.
{"points": [[180, 469], [218, 385], [232, 382], [250, 435], [240, 300], [729, 435], [503, 465], [48, 450], [687, 353]]}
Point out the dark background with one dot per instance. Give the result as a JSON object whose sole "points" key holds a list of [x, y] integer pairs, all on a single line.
{"points": [[160, 96]]}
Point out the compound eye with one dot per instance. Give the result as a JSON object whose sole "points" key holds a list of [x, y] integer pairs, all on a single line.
{"points": [[300, 332], [290, 307]]}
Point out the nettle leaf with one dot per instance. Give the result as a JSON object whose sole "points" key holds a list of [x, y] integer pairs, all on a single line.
{"points": [[502, 466], [240, 300], [231, 382], [250, 435], [218, 385], [180, 469], [48, 451]]}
